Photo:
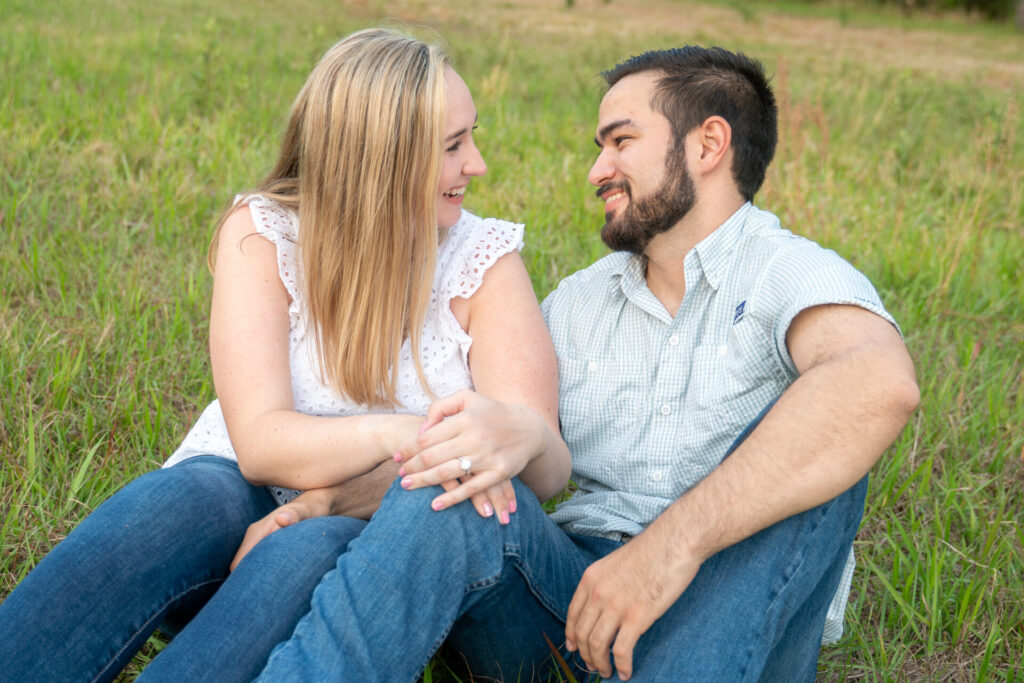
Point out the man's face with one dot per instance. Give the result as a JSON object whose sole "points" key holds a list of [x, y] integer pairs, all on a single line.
{"points": [[640, 173]]}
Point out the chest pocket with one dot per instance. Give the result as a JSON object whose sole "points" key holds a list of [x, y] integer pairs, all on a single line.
{"points": [[599, 401], [731, 382]]}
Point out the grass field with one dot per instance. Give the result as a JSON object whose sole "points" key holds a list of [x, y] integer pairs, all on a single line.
{"points": [[126, 126]]}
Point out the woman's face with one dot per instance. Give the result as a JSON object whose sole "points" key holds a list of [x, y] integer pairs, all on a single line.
{"points": [[462, 159]]}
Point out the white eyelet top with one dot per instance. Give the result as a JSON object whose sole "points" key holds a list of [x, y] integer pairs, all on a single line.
{"points": [[471, 246]]}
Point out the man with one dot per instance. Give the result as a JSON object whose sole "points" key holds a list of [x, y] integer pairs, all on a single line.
{"points": [[679, 557]]}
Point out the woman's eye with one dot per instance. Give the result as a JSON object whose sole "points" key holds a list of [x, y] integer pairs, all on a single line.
{"points": [[453, 148]]}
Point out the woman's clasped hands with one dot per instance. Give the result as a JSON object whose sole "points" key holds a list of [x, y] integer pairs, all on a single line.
{"points": [[472, 446]]}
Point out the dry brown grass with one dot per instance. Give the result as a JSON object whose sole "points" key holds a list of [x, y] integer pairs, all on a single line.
{"points": [[996, 61]]}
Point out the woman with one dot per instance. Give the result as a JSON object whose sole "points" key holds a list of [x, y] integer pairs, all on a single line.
{"points": [[328, 343]]}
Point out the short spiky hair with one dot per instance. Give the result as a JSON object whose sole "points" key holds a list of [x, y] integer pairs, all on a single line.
{"points": [[698, 82]]}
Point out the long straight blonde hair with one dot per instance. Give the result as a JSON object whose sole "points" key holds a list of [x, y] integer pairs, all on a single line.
{"points": [[361, 162]]}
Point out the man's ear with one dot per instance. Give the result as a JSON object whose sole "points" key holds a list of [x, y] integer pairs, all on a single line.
{"points": [[715, 139]]}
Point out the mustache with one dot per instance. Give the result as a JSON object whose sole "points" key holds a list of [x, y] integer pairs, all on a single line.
{"points": [[613, 186]]}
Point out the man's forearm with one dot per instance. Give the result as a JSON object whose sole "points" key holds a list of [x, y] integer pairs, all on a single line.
{"points": [[360, 497], [821, 437]]}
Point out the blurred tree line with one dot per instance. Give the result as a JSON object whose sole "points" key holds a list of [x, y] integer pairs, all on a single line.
{"points": [[993, 9]]}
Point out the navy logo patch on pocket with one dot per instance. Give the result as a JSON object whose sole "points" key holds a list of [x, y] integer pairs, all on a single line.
{"points": [[738, 313]]}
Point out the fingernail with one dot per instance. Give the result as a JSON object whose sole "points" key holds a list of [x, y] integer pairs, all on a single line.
{"points": [[437, 505], [397, 457], [512, 506], [488, 510], [401, 471], [504, 516], [407, 482], [423, 427]]}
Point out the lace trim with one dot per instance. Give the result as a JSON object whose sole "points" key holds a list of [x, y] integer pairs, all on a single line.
{"points": [[496, 239]]}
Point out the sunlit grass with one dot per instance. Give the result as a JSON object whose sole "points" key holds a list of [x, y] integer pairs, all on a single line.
{"points": [[125, 127]]}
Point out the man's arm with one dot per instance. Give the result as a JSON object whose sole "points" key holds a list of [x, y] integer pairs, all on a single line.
{"points": [[855, 393], [359, 497]]}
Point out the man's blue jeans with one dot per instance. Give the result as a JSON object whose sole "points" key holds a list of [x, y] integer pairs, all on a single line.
{"points": [[413, 578], [158, 550]]}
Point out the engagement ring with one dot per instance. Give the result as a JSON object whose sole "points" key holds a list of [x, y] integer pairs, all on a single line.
{"points": [[465, 464]]}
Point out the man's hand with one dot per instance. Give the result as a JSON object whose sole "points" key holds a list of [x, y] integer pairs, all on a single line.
{"points": [[308, 504], [619, 597]]}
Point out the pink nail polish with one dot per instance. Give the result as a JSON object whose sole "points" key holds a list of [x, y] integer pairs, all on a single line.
{"points": [[437, 505], [423, 428], [512, 506], [401, 471], [397, 457], [488, 510], [504, 516], [407, 482]]}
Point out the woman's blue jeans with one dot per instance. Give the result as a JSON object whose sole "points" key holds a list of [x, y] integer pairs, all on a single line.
{"points": [[414, 578], [157, 552]]}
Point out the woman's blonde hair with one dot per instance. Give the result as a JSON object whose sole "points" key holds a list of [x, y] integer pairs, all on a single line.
{"points": [[361, 162]]}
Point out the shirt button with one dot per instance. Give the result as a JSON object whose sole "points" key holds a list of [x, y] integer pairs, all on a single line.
{"points": [[673, 340], [656, 475], [592, 366], [722, 350], [666, 409]]}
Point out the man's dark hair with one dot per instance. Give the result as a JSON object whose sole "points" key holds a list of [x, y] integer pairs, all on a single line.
{"points": [[699, 82]]}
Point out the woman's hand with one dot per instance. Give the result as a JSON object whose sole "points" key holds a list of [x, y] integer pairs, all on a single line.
{"points": [[496, 439], [395, 431], [315, 503], [499, 499]]}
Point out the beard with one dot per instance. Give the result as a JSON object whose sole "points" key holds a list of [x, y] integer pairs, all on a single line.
{"points": [[646, 217]]}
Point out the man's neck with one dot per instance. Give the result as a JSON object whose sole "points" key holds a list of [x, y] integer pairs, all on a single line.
{"points": [[666, 252]]}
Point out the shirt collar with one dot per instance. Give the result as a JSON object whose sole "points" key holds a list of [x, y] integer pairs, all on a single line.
{"points": [[715, 253], [718, 250], [632, 272]]}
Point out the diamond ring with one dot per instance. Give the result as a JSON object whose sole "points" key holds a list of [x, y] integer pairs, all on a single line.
{"points": [[465, 464]]}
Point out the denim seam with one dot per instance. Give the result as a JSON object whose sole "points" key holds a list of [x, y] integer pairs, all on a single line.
{"points": [[434, 648], [481, 583], [472, 586], [788, 574], [546, 600], [149, 621]]}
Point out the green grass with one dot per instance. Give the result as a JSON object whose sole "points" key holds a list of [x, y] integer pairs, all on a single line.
{"points": [[125, 127]]}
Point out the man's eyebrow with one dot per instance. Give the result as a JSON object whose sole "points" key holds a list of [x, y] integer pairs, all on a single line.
{"points": [[608, 128], [462, 131]]}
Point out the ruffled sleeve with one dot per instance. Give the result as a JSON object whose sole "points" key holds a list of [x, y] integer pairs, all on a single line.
{"points": [[487, 241], [472, 246], [279, 225]]}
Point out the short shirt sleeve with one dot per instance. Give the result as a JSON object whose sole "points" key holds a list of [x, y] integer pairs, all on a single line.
{"points": [[485, 243], [477, 244], [279, 226], [806, 276]]}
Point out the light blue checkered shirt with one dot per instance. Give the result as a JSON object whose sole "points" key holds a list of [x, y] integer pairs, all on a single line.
{"points": [[649, 403]]}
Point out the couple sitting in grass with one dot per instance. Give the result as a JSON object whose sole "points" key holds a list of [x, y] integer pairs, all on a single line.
{"points": [[717, 388]]}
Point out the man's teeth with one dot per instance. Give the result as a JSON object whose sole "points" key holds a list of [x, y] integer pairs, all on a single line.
{"points": [[613, 197], [457, 192]]}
